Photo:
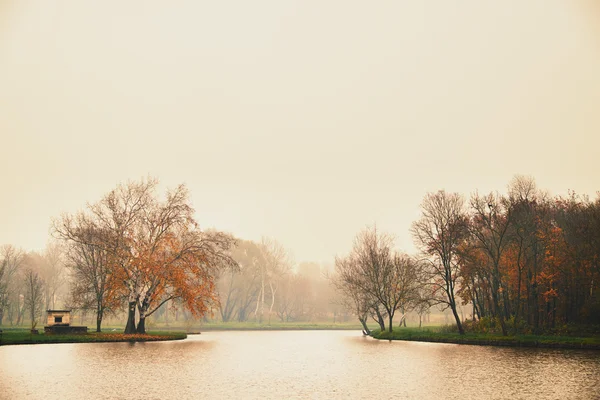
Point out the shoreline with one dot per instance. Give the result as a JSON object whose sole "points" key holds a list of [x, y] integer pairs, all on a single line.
{"points": [[18, 337], [527, 341]]}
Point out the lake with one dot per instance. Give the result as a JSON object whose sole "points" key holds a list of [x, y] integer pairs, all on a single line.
{"points": [[294, 364]]}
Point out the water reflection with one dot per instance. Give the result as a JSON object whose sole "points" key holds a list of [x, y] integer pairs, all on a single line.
{"points": [[298, 364]]}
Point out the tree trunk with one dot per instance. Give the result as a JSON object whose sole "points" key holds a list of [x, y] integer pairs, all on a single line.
{"points": [[366, 329], [99, 316], [457, 318], [498, 309], [380, 320], [130, 327], [272, 300], [141, 328], [391, 317], [167, 313]]}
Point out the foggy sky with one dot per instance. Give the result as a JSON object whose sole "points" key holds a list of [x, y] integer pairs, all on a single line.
{"points": [[299, 120]]}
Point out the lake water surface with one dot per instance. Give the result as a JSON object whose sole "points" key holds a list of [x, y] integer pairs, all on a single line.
{"points": [[294, 364]]}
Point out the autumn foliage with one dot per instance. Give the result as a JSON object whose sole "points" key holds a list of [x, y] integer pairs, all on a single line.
{"points": [[531, 263], [147, 251]]}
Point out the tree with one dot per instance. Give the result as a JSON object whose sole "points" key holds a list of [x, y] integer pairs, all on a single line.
{"points": [[239, 287], [388, 279], [185, 269], [52, 273], [423, 303], [119, 215], [33, 295], [490, 228], [294, 290], [10, 261], [346, 280], [439, 233], [95, 285], [275, 264], [157, 249]]}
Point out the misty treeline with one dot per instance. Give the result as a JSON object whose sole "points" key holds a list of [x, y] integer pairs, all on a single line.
{"points": [[524, 261], [266, 285], [29, 282]]}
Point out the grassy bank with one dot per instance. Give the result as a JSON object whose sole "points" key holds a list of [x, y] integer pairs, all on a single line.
{"points": [[439, 335], [23, 336]]}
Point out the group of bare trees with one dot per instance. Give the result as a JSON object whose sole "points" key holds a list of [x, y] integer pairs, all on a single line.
{"points": [[135, 251], [29, 283], [378, 281]]}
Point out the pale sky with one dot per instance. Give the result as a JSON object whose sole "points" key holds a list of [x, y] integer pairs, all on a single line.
{"points": [[300, 120]]}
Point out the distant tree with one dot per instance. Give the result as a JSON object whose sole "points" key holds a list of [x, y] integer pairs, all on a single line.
{"points": [[439, 233], [294, 290], [239, 287], [275, 263], [52, 272], [10, 261], [423, 303], [33, 295]]}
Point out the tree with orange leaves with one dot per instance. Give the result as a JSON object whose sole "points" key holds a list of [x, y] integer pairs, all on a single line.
{"points": [[156, 248]]}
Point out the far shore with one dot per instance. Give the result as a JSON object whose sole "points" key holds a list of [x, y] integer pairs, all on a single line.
{"points": [[277, 326]]}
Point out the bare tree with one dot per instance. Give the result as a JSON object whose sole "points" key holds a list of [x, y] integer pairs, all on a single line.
{"points": [[389, 278], [95, 284], [346, 280], [275, 264], [423, 303], [490, 227], [52, 273], [439, 233], [33, 295], [10, 261]]}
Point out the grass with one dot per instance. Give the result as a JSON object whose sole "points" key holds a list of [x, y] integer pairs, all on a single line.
{"points": [[24, 336], [441, 335]]}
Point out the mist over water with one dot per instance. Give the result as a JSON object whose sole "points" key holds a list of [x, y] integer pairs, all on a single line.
{"points": [[298, 364]]}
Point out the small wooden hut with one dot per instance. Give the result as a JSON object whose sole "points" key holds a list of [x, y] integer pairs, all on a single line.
{"points": [[59, 317], [59, 321]]}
